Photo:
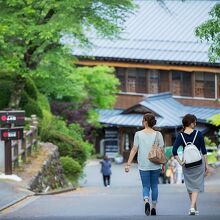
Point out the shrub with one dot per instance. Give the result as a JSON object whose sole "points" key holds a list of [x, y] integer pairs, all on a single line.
{"points": [[45, 125], [208, 142], [72, 147], [68, 138], [72, 168], [32, 108], [43, 102], [65, 149], [30, 105], [31, 88], [24, 99]]}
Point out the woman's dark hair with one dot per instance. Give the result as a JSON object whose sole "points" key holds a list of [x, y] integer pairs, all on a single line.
{"points": [[188, 120], [105, 157], [150, 119]]}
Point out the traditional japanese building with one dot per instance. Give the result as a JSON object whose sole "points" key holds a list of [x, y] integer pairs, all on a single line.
{"points": [[120, 125], [158, 52]]}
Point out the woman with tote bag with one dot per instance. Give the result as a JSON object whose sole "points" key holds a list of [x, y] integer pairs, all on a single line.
{"points": [[149, 171]]}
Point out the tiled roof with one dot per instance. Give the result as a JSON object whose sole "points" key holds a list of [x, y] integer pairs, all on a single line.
{"points": [[169, 113], [202, 113], [157, 31]]}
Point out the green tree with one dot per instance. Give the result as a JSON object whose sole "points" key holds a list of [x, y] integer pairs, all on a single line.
{"points": [[215, 120], [209, 31], [30, 32]]}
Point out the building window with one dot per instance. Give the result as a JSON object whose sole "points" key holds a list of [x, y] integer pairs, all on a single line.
{"points": [[136, 80], [181, 83], [153, 81], [205, 85], [176, 83], [132, 82], [120, 74], [141, 81], [164, 81]]}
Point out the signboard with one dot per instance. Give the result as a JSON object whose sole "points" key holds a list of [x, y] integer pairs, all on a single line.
{"points": [[11, 134], [12, 117]]}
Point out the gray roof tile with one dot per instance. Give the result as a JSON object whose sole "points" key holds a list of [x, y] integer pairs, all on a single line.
{"points": [[157, 31], [169, 111]]}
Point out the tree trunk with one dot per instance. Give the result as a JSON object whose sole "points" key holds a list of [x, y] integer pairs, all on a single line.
{"points": [[16, 93]]}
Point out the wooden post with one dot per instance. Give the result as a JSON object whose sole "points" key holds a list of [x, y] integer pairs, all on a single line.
{"points": [[8, 158], [35, 130], [126, 80], [30, 136], [193, 81], [170, 81], [16, 154], [24, 143]]}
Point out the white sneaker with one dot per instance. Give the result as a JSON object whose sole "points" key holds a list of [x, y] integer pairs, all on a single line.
{"points": [[192, 211], [196, 212]]}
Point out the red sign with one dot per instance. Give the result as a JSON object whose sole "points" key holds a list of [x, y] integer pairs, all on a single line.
{"points": [[11, 133], [12, 117]]}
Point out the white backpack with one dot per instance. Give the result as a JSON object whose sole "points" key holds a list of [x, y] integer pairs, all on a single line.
{"points": [[191, 154]]}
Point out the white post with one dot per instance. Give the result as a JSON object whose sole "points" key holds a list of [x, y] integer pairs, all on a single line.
{"points": [[2, 156]]}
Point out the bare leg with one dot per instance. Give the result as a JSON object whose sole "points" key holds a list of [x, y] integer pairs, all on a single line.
{"points": [[190, 197], [194, 197]]}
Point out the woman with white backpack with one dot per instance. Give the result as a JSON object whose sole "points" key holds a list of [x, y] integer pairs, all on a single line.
{"points": [[194, 163]]}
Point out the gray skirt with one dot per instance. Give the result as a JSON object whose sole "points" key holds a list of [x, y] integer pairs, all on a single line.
{"points": [[194, 178]]}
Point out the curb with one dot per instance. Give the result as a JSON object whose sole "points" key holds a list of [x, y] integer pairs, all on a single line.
{"points": [[14, 202], [37, 194], [56, 191]]}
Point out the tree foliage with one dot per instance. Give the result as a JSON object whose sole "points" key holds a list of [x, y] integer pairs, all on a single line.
{"points": [[215, 120], [210, 31], [30, 30], [30, 45]]}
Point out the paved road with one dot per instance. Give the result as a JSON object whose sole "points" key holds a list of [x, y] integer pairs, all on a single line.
{"points": [[121, 201]]}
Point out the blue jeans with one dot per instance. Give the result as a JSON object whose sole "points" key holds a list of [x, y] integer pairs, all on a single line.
{"points": [[149, 179]]}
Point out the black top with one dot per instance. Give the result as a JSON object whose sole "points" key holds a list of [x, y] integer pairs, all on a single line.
{"points": [[199, 142]]}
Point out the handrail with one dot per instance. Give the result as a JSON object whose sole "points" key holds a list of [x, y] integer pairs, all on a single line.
{"points": [[21, 149]]}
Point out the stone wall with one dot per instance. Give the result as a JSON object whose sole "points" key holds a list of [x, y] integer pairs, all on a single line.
{"points": [[51, 175]]}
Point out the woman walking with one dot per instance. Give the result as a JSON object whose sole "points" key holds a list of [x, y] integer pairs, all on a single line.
{"points": [[106, 171], [194, 175], [149, 172]]}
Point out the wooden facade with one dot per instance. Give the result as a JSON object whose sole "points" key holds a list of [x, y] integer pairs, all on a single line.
{"points": [[191, 85]]}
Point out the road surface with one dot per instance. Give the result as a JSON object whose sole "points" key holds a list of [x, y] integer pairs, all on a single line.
{"points": [[122, 200]]}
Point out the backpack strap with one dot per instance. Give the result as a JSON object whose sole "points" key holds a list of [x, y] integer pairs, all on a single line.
{"points": [[195, 137], [183, 139]]}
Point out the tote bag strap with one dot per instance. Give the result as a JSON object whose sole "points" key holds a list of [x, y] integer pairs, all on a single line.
{"points": [[156, 138]]}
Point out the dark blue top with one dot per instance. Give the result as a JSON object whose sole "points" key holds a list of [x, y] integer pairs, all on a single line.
{"points": [[106, 167], [199, 142]]}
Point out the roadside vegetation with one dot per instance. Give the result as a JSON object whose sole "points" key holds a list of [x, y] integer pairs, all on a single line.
{"points": [[38, 73]]}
